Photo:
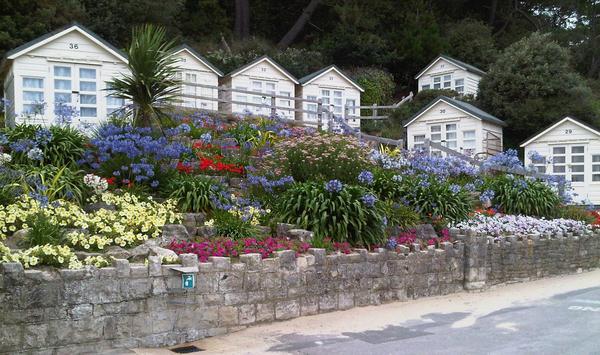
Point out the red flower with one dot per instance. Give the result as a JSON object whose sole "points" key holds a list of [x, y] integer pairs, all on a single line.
{"points": [[111, 180], [184, 168]]}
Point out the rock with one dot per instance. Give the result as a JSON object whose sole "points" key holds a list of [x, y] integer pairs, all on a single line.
{"points": [[162, 252], [425, 231], [300, 234], [172, 232], [236, 183], [81, 255], [117, 252], [140, 252], [283, 229], [16, 239], [97, 206], [206, 232]]}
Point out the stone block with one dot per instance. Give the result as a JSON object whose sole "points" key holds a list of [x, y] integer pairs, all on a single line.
{"points": [[318, 254], [287, 259], [220, 263], [228, 316], [345, 300], [247, 314], [122, 266], [81, 311], [265, 312], [287, 310], [328, 302], [189, 260]]}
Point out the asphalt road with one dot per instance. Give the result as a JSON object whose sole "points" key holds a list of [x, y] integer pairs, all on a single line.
{"points": [[550, 316]]}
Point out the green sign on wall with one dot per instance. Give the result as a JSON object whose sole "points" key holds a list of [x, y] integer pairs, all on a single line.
{"points": [[188, 281]]}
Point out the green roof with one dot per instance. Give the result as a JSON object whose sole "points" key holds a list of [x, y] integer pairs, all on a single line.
{"points": [[244, 67], [311, 76], [470, 109], [202, 59], [468, 67]]}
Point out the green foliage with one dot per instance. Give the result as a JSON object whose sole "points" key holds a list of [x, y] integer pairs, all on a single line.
{"points": [[58, 182], [65, 148], [192, 192], [151, 84], [10, 185], [319, 157], [575, 212], [401, 216], [340, 216], [515, 195], [231, 226], [42, 229], [434, 199], [298, 61], [472, 42], [532, 85], [378, 84]]}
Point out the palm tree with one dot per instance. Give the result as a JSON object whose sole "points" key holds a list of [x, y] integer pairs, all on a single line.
{"points": [[152, 85]]}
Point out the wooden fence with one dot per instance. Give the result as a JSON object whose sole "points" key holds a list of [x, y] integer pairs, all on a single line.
{"points": [[323, 113]]}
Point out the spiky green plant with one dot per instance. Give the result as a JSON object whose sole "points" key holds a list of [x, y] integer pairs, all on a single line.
{"points": [[151, 84]]}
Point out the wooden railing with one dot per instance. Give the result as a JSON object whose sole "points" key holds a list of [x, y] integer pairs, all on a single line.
{"points": [[323, 113]]}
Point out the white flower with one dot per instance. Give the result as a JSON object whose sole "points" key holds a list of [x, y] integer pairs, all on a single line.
{"points": [[210, 223], [5, 158]]}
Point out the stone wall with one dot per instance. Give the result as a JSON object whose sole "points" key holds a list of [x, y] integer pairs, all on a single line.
{"points": [[132, 305]]}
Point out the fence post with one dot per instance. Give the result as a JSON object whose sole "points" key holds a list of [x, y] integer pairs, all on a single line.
{"points": [[346, 113], [330, 118], [273, 106], [427, 146], [374, 111], [319, 114]]}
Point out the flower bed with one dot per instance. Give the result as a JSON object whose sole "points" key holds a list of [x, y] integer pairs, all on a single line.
{"points": [[498, 225]]}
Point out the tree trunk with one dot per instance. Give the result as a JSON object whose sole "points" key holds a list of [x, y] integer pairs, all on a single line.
{"points": [[242, 19], [493, 9], [291, 35]]}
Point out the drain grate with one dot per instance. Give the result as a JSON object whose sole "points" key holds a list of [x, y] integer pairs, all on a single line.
{"points": [[186, 349]]}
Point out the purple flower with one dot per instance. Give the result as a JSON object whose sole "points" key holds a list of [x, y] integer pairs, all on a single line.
{"points": [[369, 200], [365, 177], [334, 186], [454, 188], [487, 196]]}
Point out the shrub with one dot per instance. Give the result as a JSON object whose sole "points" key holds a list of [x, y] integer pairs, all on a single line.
{"points": [[378, 84], [402, 216], [56, 183], [193, 193], [319, 157], [231, 226], [436, 199], [59, 145], [347, 213], [42, 230], [516, 195], [577, 213]]}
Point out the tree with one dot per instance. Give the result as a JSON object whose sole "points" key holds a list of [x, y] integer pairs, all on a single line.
{"points": [[471, 41], [151, 84], [531, 85], [378, 84], [291, 35]]}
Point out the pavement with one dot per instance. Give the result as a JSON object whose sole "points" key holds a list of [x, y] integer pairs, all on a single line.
{"points": [[559, 315]]}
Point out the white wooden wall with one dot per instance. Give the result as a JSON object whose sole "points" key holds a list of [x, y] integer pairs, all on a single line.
{"points": [[569, 135], [192, 69], [443, 114], [265, 73], [443, 67], [330, 81], [76, 51]]}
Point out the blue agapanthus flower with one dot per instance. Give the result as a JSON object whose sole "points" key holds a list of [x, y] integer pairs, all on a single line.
{"points": [[334, 186], [43, 136], [369, 200], [365, 177], [487, 196], [35, 154], [454, 188]]}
